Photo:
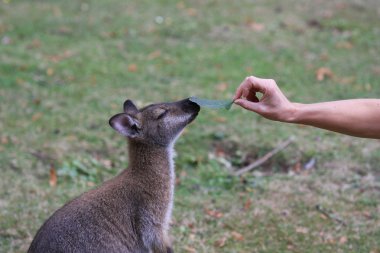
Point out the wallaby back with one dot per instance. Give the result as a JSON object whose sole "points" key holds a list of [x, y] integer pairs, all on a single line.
{"points": [[131, 212]]}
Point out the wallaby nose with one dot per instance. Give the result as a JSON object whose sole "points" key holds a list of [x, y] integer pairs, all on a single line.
{"points": [[190, 106]]}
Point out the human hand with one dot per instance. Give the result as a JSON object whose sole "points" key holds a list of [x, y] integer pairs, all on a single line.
{"points": [[272, 105]]}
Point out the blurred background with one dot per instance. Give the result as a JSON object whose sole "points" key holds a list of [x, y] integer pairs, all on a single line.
{"points": [[67, 66]]}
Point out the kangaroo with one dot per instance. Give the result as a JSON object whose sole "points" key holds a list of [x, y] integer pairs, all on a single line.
{"points": [[129, 213]]}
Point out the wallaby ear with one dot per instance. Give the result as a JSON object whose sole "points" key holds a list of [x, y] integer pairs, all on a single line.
{"points": [[130, 108], [125, 124]]}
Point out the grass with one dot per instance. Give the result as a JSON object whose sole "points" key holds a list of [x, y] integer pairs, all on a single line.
{"points": [[66, 68]]}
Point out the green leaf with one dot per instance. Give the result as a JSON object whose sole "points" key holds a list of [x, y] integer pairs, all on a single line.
{"points": [[213, 104]]}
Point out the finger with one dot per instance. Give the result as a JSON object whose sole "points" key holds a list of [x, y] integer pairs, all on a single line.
{"points": [[239, 91], [257, 84], [251, 83], [247, 105], [245, 92], [243, 88]]}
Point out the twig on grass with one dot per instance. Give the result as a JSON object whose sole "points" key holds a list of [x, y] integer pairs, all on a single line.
{"points": [[333, 217], [266, 157]]}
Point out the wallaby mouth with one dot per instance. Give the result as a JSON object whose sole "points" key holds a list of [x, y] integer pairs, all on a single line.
{"points": [[194, 106], [191, 107]]}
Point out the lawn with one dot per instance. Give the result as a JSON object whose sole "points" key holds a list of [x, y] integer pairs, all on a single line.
{"points": [[67, 66]]}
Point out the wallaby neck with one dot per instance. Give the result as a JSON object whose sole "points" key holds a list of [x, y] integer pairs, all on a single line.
{"points": [[154, 160], [153, 167]]}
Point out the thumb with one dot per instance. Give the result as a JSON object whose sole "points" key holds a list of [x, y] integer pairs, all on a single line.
{"points": [[252, 106]]}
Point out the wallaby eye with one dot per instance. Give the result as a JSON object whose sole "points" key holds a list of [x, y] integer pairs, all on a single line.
{"points": [[162, 114]]}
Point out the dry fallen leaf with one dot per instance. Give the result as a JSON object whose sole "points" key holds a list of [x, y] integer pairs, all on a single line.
{"points": [[237, 236], [34, 44], [327, 238], [106, 163], [53, 177], [247, 204], [4, 140], [180, 5], [330, 241], [297, 167], [50, 71], [91, 184], [37, 101], [36, 116], [154, 55], [192, 237], [290, 246], [257, 27], [72, 137], [221, 242], [189, 249], [343, 240], [302, 230], [367, 214], [132, 68], [192, 12], [344, 45], [323, 73], [220, 119], [214, 213], [222, 87], [249, 69], [324, 56], [62, 56], [64, 30], [219, 151]]}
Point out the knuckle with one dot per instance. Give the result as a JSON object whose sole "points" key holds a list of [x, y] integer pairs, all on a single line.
{"points": [[272, 83]]}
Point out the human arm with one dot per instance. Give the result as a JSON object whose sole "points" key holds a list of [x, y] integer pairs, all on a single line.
{"points": [[356, 117]]}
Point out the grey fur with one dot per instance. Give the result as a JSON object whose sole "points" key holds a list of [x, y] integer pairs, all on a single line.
{"points": [[129, 213]]}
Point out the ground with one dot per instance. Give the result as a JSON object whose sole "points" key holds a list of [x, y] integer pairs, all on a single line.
{"points": [[66, 68]]}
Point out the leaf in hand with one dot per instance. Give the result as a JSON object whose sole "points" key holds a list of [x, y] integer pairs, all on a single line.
{"points": [[213, 104]]}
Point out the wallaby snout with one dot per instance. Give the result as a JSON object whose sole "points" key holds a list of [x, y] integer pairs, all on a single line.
{"points": [[131, 212], [190, 106]]}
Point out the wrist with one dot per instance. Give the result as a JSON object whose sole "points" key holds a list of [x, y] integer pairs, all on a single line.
{"points": [[293, 113]]}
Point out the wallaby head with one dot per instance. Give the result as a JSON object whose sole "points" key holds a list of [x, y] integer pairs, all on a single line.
{"points": [[155, 124]]}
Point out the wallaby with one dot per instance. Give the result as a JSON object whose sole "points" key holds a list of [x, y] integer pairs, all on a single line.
{"points": [[131, 212]]}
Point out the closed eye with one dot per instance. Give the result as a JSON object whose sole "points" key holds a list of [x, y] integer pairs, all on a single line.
{"points": [[162, 114]]}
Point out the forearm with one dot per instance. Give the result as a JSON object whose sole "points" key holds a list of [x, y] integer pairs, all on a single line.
{"points": [[356, 117]]}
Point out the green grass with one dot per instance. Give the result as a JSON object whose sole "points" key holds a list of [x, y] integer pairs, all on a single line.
{"points": [[66, 68]]}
